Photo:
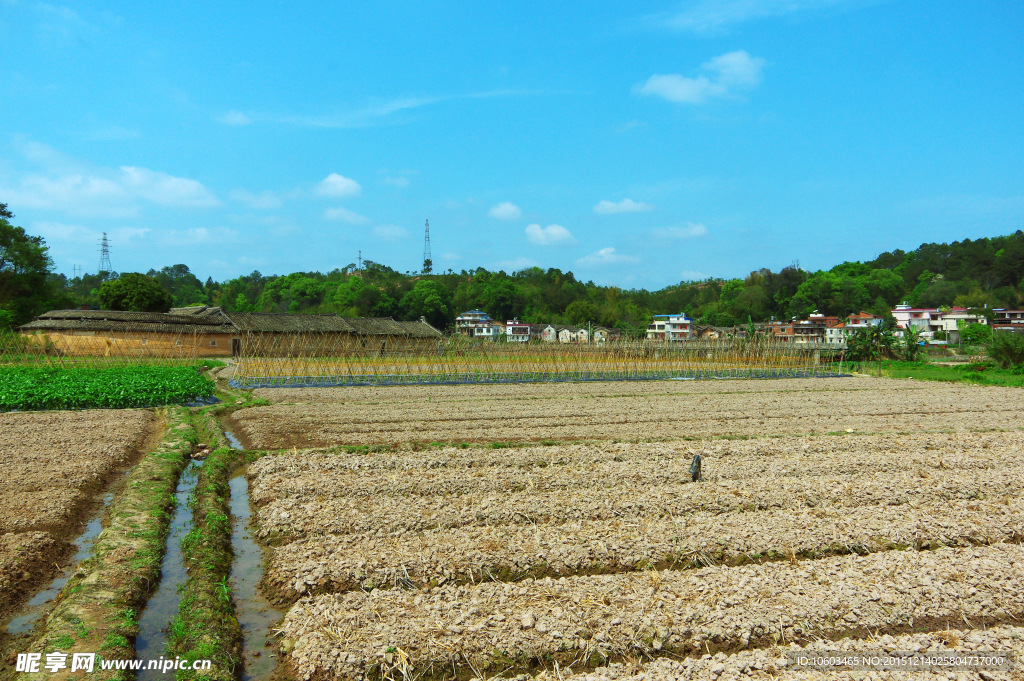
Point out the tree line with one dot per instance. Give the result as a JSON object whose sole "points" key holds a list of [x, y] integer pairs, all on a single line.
{"points": [[981, 273]]}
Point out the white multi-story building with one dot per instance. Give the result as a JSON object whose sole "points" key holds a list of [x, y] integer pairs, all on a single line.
{"points": [[929, 320], [669, 327], [517, 331], [477, 324]]}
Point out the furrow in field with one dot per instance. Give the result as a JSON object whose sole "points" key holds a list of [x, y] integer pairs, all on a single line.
{"points": [[336, 563], [778, 663], [495, 626], [287, 519], [545, 469]]}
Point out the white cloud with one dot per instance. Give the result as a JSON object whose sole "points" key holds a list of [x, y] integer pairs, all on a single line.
{"points": [[623, 206], [552, 235], [506, 210], [689, 231], [451, 257], [729, 73], [605, 256], [234, 118], [345, 215], [338, 185], [65, 184], [167, 190], [400, 182], [390, 232], [54, 232], [516, 265], [713, 15], [262, 201], [692, 275]]}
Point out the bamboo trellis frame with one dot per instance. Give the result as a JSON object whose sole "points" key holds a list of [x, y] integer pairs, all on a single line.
{"points": [[100, 349], [325, 359]]}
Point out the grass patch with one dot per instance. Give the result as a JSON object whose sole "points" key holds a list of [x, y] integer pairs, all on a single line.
{"points": [[979, 373], [36, 388], [205, 626]]}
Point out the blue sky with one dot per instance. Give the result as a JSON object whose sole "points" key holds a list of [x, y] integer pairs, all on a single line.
{"points": [[636, 144]]}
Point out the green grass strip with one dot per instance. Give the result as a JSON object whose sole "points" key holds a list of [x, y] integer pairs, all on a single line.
{"points": [[205, 627]]}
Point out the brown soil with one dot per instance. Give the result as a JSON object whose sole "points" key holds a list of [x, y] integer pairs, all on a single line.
{"points": [[632, 411], [27, 559], [53, 466], [53, 463]]}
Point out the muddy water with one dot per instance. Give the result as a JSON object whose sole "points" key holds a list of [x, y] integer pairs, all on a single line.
{"points": [[36, 607], [255, 614], [151, 643]]}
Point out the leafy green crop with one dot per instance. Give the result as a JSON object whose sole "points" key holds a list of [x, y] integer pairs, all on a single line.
{"points": [[30, 388]]}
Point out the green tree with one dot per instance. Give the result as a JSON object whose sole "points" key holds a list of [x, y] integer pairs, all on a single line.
{"points": [[135, 292], [429, 299], [976, 334], [580, 312], [24, 268]]}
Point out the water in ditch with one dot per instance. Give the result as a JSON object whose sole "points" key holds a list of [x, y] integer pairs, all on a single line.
{"points": [[36, 607], [255, 614], [151, 642]]}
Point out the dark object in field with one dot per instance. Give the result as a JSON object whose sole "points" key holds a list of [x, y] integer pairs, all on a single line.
{"points": [[695, 468]]}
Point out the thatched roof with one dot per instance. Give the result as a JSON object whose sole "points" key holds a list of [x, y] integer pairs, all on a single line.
{"points": [[112, 320], [420, 329], [266, 322], [377, 326], [197, 310]]}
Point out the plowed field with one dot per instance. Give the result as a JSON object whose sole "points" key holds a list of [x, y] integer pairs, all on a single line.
{"points": [[833, 514]]}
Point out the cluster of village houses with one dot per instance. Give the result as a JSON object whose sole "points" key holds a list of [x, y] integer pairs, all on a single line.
{"points": [[937, 325], [213, 331]]}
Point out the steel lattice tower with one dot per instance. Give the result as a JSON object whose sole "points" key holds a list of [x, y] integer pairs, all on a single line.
{"points": [[105, 265], [428, 264]]}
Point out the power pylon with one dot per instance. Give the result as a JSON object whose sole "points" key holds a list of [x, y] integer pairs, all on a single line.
{"points": [[428, 264], [105, 265]]}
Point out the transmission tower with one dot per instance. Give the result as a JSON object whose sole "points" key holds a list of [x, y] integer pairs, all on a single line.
{"points": [[428, 264], [105, 265]]}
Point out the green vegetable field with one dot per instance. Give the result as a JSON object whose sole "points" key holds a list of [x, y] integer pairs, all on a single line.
{"points": [[33, 388]]}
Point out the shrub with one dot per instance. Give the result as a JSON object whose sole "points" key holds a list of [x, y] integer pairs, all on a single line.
{"points": [[974, 334], [1007, 348]]}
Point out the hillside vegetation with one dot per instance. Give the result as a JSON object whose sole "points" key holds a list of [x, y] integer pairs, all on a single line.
{"points": [[967, 273]]}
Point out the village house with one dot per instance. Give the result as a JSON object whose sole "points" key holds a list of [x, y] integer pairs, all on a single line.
{"points": [[517, 331], [1008, 320], [669, 327], [477, 324]]}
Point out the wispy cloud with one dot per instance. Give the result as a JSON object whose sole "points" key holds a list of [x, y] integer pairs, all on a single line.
{"points": [[506, 210], [346, 216], [605, 256], [364, 116], [709, 16], [728, 74], [262, 201], [552, 235], [623, 206], [337, 186], [688, 231], [234, 118], [400, 182], [692, 275], [390, 232]]}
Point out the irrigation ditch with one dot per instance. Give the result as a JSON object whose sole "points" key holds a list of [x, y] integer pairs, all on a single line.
{"points": [[165, 568]]}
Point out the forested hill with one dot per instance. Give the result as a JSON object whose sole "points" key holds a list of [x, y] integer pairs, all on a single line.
{"points": [[966, 273]]}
